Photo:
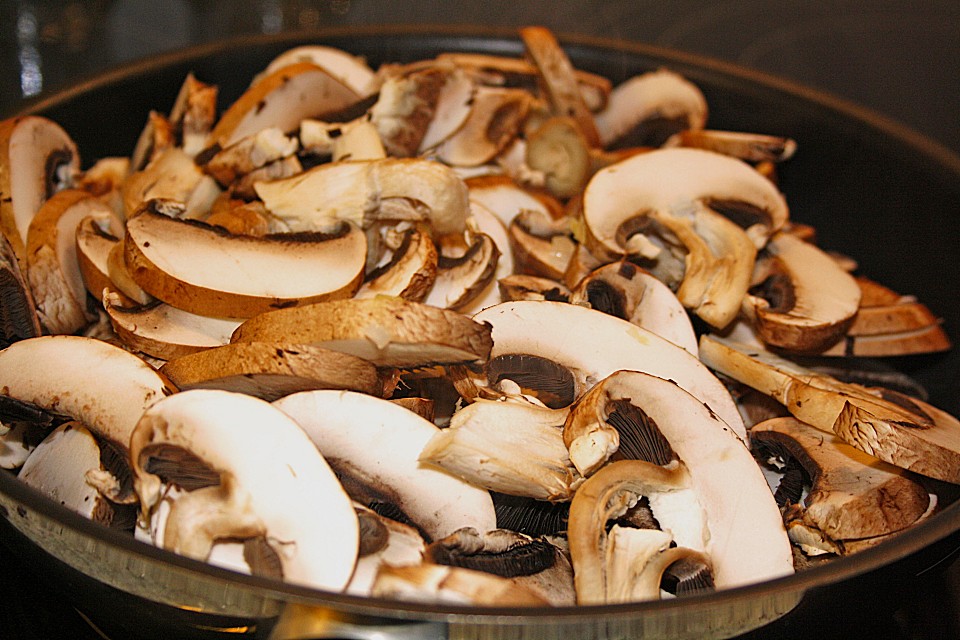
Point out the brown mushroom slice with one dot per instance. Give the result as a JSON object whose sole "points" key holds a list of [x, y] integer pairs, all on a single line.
{"points": [[156, 137], [626, 291], [670, 181], [193, 113], [906, 433], [250, 153], [451, 110], [172, 175], [853, 495], [95, 242], [271, 370], [800, 300], [496, 117], [364, 191], [559, 151], [282, 99], [52, 267], [542, 246], [489, 224], [18, 313], [460, 280], [165, 332], [646, 109], [101, 385], [390, 332], [244, 486], [535, 563], [930, 339], [205, 270], [376, 444], [349, 69], [901, 316], [750, 147], [559, 79], [511, 447], [37, 159], [406, 104], [592, 345], [524, 287], [437, 583], [409, 273]]}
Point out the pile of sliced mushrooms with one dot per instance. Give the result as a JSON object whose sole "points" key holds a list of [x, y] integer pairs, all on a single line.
{"points": [[471, 329]]}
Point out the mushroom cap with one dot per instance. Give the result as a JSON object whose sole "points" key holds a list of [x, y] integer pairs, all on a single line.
{"points": [[272, 483]]}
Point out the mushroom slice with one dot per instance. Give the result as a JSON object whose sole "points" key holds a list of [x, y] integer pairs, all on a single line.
{"points": [[375, 444], [559, 80], [452, 109], [193, 113], [37, 159], [52, 267], [930, 339], [410, 272], [902, 431], [801, 300], [437, 583], [535, 563], [58, 466], [670, 181], [853, 495], [460, 280], [102, 386], [165, 332], [349, 69], [502, 196], [365, 191], [592, 345], [390, 332], [271, 370], [511, 447], [496, 117], [156, 137], [561, 153], [523, 287], [18, 313], [885, 319], [750, 147], [626, 291], [172, 175], [746, 541], [383, 541], [277, 488], [281, 100], [646, 109], [250, 153], [405, 106], [96, 243], [487, 223], [205, 270], [542, 246]]}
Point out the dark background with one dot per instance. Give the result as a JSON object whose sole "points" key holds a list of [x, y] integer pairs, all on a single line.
{"points": [[898, 59]]}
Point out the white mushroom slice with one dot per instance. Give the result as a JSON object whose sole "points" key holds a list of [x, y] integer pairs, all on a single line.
{"points": [[800, 300], [358, 140], [405, 105], [506, 199], [670, 181], [250, 153], [58, 466], [624, 290], [451, 111], [172, 175], [511, 447], [376, 444], [17, 441], [460, 280], [165, 332], [410, 271], [905, 432], [382, 542], [271, 370], [351, 70], [278, 489], [119, 276], [390, 332], [438, 584], [647, 108], [853, 495], [523, 287], [592, 345], [637, 559], [52, 267], [496, 117], [541, 245], [559, 151], [751, 147], [103, 386], [488, 224], [362, 191], [104, 178], [204, 270], [193, 113], [95, 242], [37, 159], [281, 100]]}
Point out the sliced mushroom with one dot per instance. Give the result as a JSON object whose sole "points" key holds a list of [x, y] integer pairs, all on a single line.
{"points": [[505, 198], [451, 110], [800, 300], [853, 495], [624, 290], [496, 117], [249, 153], [205, 270], [437, 583], [193, 113], [511, 447], [559, 150], [376, 444], [37, 159], [542, 246], [646, 109], [350, 69], [364, 191], [383, 541], [237, 484], [930, 339], [271, 370], [905, 432], [406, 104], [751, 147], [411, 270], [18, 313], [389, 332], [282, 99], [523, 287], [592, 345], [95, 244], [489, 224], [172, 175], [460, 280]]}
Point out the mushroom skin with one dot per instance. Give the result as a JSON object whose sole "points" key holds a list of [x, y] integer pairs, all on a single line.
{"points": [[279, 488]]}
